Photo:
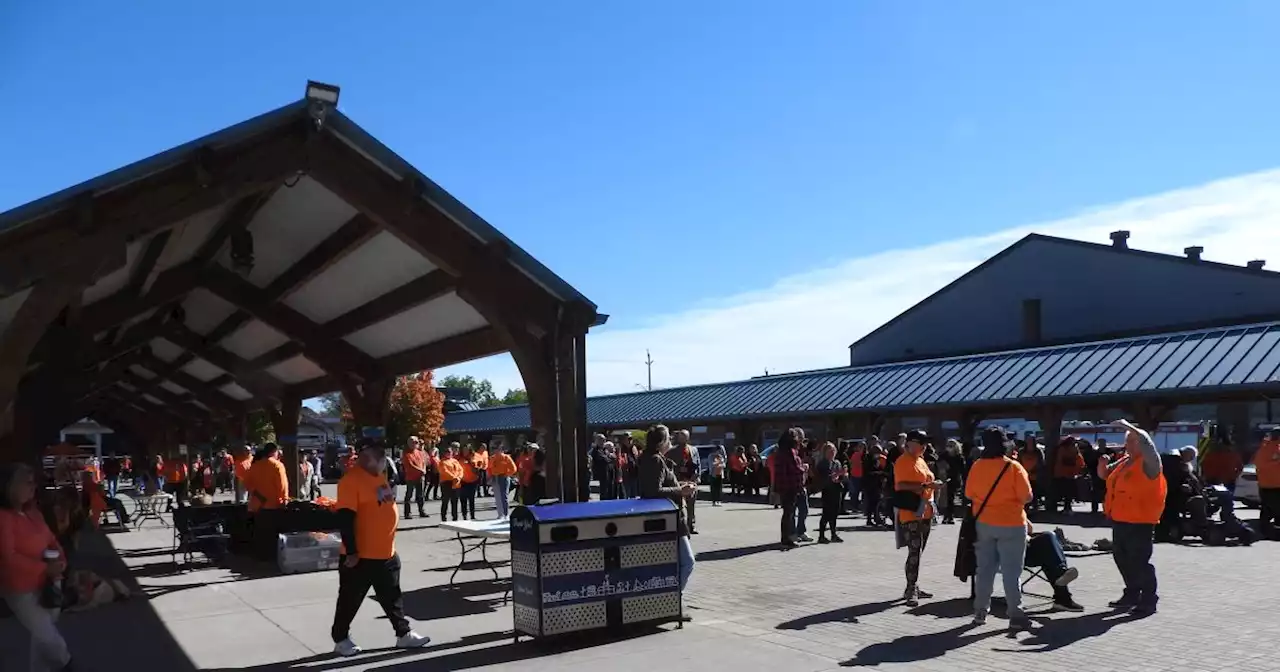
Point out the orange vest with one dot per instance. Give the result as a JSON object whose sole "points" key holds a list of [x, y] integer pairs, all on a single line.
{"points": [[855, 464], [1132, 497]]}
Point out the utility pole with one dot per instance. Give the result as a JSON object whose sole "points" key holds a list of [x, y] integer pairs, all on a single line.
{"points": [[648, 363]]}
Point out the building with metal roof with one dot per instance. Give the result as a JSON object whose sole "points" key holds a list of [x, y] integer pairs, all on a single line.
{"points": [[1040, 349]]}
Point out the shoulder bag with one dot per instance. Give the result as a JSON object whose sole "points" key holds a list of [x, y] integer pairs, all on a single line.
{"points": [[966, 558]]}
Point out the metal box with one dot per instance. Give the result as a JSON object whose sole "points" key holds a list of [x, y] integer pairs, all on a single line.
{"points": [[588, 565], [298, 552]]}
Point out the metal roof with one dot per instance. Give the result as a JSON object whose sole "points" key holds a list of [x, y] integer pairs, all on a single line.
{"points": [[1167, 365]]}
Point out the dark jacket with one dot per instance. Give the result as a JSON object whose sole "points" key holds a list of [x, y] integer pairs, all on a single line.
{"points": [[658, 481]]}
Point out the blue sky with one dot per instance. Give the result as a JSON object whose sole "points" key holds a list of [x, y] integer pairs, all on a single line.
{"points": [[678, 161]]}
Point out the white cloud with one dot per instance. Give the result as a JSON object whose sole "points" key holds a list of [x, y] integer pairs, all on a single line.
{"points": [[1236, 220]]}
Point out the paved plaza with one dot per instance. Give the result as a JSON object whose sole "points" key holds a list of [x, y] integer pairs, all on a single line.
{"points": [[754, 608]]}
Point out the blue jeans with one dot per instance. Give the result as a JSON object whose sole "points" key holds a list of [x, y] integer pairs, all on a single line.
{"points": [[686, 561], [113, 484], [1000, 548], [802, 511], [501, 493]]}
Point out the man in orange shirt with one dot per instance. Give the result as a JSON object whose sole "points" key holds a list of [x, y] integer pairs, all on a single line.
{"points": [[1068, 463], [176, 475], [912, 475], [267, 480], [480, 461], [1222, 465], [1267, 462], [501, 468], [415, 471], [1136, 491], [242, 464], [470, 483], [1031, 456], [367, 521]]}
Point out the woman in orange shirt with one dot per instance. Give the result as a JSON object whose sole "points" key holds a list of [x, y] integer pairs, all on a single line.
{"points": [[470, 483], [912, 475], [31, 561], [999, 490], [501, 468], [267, 480], [480, 460], [450, 482], [524, 471]]}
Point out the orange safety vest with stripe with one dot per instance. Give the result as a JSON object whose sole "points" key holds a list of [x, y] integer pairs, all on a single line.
{"points": [[1132, 497]]}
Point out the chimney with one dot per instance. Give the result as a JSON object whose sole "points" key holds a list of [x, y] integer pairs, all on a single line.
{"points": [[1257, 264], [1120, 239], [1193, 253]]}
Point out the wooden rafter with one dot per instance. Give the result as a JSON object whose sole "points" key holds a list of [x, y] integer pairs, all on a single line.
{"points": [[334, 355], [257, 383], [141, 272], [350, 236], [206, 393], [158, 201], [410, 295]]}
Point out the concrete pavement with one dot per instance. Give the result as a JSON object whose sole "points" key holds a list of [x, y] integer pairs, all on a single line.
{"points": [[815, 608]]}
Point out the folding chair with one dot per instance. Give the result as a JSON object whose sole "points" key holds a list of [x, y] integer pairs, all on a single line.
{"points": [[1033, 573]]}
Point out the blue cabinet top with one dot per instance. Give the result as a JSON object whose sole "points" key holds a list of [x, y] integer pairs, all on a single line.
{"points": [[614, 508]]}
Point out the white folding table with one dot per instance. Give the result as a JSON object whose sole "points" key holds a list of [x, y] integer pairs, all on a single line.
{"points": [[475, 535]]}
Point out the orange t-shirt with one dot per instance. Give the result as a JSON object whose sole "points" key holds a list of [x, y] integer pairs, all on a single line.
{"points": [[502, 465], [415, 464], [242, 469], [451, 472], [268, 485], [1068, 466], [1267, 462], [480, 459], [469, 474], [1007, 501], [1029, 458], [525, 468], [374, 503], [24, 536], [910, 469], [1132, 497], [1221, 465], [737, 463]]}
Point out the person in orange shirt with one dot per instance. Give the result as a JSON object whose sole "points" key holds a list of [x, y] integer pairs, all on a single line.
{"points": [[737, 471], [480, 460], [415, 471], [1222, 465], [175, 481], [1031, 456], [451, 474], [524, 471], [470, 483], [1068, 464], [854, 483], [1136, 490], [999, 490], [267, 481], [501, 468], [367, 520], [242, 464], [432, 489], [912, 475], [1267, 463]]}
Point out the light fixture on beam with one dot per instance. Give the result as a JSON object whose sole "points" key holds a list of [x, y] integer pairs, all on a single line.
{"points": [[320, 99]]}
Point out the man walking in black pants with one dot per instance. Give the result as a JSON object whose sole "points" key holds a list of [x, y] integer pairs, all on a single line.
{"points": [[368, 514]]}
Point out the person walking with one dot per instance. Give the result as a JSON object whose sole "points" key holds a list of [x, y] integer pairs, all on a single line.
{"points": [[830, 476], [367, 521], [1136, 490], [501, 469], [999, 490], [415, 470], [912, 476], [788, 480], [658, 481]]}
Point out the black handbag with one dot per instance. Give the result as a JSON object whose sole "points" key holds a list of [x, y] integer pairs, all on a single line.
{"points": [[966, 557], [902, 499]]}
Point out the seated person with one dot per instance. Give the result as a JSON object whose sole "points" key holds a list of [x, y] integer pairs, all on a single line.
{"points": [[96, 502], [1044, 551]]}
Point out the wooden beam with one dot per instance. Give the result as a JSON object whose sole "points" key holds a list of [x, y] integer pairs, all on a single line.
{"points": [[257, 383], [336, 356], [171, 286], [282, 353], [486, 279], [141, 272], [37, 248], [206, 393], [410, 295], [350, 236]]}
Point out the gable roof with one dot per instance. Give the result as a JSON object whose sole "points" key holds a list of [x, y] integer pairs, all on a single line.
{"points": [[1182, 364], [1033, 238]]}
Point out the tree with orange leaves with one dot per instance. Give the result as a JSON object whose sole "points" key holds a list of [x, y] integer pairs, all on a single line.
{"points": [[416, 409]]}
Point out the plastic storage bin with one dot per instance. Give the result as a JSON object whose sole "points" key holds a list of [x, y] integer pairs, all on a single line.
{"points": [[308, 551]]}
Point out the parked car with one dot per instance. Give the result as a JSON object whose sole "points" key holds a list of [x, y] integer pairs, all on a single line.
{"points": [[1247, 486]]}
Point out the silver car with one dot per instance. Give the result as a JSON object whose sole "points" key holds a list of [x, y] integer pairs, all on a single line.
{"points": [[1247, 486]]}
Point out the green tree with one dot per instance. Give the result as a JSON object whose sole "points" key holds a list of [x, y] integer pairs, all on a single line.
{"points": [[332, 404], [478, 390], [512, 397]]}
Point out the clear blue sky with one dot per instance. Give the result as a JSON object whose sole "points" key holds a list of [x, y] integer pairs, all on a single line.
{"points": [[656, 153]]}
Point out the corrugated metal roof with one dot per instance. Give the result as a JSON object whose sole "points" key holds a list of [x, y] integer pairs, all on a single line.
{"points": [[1173, 364]]}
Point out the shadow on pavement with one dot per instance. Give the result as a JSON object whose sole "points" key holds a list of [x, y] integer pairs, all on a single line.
{"points": [[1078, 519], [1054, 634], [733, 553], [329, 661], [461, 599], [958, 607], [841, 615], [917, 648], [514, 653], [130, 629]]}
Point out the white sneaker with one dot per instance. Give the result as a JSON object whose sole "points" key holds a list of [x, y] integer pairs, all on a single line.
{"points": [[412, 640], [347, 648]]}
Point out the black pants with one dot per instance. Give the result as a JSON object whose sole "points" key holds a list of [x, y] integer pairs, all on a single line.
{"points": [[179, 491], [483, 483], [468, 497], [413, 492], [1270, 513], [788, 502], [383, 576], [1098, 492], [449, 496], [832, 495], [1132, 544], [717, 489], [433, 485], [1064, 492], [872, 505]]}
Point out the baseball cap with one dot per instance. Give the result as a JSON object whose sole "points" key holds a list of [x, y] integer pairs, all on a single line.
{"points": [[919, 436]]}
